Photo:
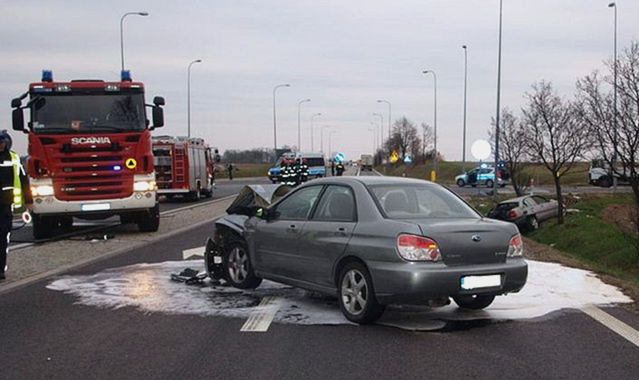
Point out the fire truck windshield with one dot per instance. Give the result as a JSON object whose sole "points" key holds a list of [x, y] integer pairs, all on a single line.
{"points": [[86, 113]]}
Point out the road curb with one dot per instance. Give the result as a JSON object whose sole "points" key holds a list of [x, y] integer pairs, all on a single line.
{"points": [[33, 279]]}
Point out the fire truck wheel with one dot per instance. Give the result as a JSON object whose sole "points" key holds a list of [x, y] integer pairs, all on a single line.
{"points": [[150, 221], [194, 196], [208, 193], [66, 221], [42, 226]]}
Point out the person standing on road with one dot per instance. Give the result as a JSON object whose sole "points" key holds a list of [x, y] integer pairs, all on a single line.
{"points": [[229, 168], [304, 170], [339, 168], [333, 168], [13, 194]]}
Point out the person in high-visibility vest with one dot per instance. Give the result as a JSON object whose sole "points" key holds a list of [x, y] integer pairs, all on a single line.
{"points": [[13, 194]]}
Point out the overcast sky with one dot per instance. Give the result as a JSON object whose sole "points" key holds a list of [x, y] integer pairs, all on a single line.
{"points": [[342, 54]]}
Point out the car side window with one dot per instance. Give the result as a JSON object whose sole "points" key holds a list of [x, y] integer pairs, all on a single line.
{"points": [[529, 202], [485, 171], [337, 205], [298, 205], [540, 200]]}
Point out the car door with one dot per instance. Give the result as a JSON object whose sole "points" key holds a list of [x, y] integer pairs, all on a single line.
{"points": [[276, 241], [530, 207], [547, 209], [325, 236]]}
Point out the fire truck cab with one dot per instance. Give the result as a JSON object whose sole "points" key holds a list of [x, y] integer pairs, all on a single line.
{"points": [[90, 152], [184, 166]]}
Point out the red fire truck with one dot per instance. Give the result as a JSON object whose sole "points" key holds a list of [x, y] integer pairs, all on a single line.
{"points": [[184, 166], [89, 152]]}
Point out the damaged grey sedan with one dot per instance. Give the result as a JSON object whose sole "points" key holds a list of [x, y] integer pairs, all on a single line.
{"points": [[371, 241]]}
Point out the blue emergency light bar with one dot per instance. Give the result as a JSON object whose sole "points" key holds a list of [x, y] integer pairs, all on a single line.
{"points": [[47, 76], [125, 76]]}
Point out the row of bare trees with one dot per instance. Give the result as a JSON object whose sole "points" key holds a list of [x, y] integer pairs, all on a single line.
{"points": [[557, 132], [407, 140]]}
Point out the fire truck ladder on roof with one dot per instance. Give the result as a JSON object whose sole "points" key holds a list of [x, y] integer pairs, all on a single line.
{"points": [[179, 164]]}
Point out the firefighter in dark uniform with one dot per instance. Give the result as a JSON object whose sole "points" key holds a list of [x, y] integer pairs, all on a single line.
{"points": [[288, 173], [339, 168], [297, 170], [304, 170], [13, 194]]}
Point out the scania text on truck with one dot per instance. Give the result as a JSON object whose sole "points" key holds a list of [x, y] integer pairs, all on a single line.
{"points": [[90, 152], [184, 166]]}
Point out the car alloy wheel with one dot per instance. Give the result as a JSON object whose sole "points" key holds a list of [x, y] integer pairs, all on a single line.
{"points": [[354, 292], [533, 223], [489, 183], [357, 296], [237, 266]]}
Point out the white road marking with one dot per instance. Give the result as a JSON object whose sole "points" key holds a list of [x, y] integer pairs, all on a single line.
{"points": [[193, 252], [261, 318], [612, 323]]}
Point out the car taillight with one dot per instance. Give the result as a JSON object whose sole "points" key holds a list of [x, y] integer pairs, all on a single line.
{"points": [[417, 248], [516, 246], [513, 214]]}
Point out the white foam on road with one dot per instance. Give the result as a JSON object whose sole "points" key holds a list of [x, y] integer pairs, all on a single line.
{"points": [[550, 288]]}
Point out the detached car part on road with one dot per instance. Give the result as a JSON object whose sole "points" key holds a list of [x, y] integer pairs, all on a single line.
{"points": [[372, 241]]}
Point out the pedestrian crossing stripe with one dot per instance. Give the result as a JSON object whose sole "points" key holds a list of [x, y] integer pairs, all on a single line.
{"points": [[131, 163]]}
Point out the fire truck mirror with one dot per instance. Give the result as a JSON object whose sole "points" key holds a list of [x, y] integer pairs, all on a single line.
{"points": [[158, 117], [18, 119], [16, 103], [158, 101]]}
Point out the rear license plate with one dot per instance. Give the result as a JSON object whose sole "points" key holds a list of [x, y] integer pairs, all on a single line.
{"points": [[95, 207], [477, 282]]}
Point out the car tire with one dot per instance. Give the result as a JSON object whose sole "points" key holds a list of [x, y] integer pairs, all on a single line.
{"points": [[605, 182], [461, 183], [149, 221], [42, 226], [533, 223], [474, 302], [238, 270], [356, 294], [490, 183]]}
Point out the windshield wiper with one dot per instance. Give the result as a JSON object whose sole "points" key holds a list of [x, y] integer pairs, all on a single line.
{"points": [[53, 130], [109, 128]]}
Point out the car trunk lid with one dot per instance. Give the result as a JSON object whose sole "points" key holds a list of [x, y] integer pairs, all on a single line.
{"points": [[469, 241]]}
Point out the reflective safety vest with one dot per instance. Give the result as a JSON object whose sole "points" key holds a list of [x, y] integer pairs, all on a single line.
{"points": [[18, 199]]}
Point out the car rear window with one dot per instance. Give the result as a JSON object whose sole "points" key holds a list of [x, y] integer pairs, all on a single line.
{"points": [[506, 206], [416, 201]]}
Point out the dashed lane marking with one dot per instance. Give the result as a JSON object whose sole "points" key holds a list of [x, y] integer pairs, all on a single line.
{"points": [[261, 318], [612, 323]]}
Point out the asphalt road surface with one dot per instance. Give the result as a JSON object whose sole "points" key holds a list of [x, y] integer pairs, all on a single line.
{"points": [[46, 333]]}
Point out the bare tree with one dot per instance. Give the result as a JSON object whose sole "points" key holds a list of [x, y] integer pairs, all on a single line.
{"points": [[617, 143], [556, 139], [428, 142], [513, 148], [404, 138]]}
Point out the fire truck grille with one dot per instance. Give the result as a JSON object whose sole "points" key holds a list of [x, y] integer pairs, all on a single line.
{"points": [[92, 184]]}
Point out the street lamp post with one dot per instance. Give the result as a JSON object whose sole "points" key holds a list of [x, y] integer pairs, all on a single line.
{"points": [[614, 155], [498, 102], [381, 123], [275, 116], [435, 166], [299, 128], [188, 97], [122, 32], [465, 97], [330, 147], [390, 117], [322, 137], [313, 130]]}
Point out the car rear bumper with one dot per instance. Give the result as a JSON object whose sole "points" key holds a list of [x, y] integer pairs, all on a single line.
{"points": [[416, 283]]}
